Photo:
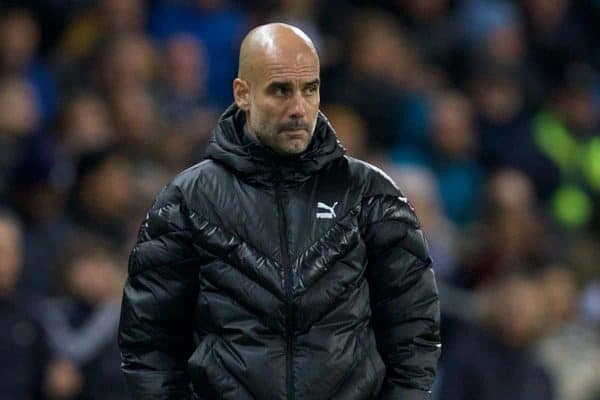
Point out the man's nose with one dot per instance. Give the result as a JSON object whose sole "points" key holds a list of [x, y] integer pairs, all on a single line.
{"points": [[298, 106]]}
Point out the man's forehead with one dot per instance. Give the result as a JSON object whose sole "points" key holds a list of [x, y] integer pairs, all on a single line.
{"points": [[298, 65], [285, 72]]}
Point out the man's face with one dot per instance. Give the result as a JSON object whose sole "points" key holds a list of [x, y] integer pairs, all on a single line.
{"points": [[283, 101]]}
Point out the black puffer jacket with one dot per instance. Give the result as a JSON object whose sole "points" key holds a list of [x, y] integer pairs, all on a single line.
{"points": [[256, 277]]}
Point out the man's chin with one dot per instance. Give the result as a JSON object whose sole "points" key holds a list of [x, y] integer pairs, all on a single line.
{"points": [[292, 147]]}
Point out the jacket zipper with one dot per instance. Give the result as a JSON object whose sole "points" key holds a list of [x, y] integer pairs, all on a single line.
{"points": [[288, 291]]}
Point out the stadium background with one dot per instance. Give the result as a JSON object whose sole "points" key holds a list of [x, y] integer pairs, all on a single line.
{"points": [[486, 113]]}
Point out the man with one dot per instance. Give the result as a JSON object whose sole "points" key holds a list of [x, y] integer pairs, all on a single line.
{"points": [[278, 268]]}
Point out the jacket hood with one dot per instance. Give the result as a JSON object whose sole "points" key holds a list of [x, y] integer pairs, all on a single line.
{"points": [[258, 163]]}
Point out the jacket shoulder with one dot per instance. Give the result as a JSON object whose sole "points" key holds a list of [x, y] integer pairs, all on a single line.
{"points": [[169, 217], [202, 170], [201, 186], [201, 180], [373, 180], [188, 181]]}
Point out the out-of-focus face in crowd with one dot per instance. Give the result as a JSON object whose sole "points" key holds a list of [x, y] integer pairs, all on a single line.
{"points": [[452, 130], [106, 189], [93, 278], [298, 9], [20, 115], [546, 15], [516, 311], [506, 45], [128, 63], [514, 219], [560, 290], [86, 125], [498, 97], [350, 128], [521, 308], [576, 100], [19, 38], [136, 119], [123, 15], [424, 10], [185, 65], [11, 253], [379, 51]]}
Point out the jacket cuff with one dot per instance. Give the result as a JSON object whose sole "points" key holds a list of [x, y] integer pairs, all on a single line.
{"points": [[402, 393]]}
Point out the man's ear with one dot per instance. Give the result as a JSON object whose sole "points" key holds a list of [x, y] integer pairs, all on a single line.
{"points": [[241, 94]]}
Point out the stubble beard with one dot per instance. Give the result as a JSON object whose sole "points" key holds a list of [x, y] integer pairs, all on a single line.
{"points": [[276, 140]]}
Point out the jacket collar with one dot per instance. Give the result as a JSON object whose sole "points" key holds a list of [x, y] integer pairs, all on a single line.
{"points": [[257, 163]]}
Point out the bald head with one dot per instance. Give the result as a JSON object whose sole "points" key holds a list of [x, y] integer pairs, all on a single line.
{"points": [[271, 42]]}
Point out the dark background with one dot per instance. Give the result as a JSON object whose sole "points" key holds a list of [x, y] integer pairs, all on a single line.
{"points": [[486, 114]]}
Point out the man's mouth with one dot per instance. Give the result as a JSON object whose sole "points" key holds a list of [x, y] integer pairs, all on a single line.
{"points": [[293, 129]]}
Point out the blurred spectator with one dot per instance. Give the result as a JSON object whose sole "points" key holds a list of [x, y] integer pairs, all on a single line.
{"points": [[566, 132], [301, 14], [216, 23], [499, 102], [495, 28], [128, 63], [494, 361], [351, 130], [138, 124], [451, 154], [38, 193], [19, 335], [505, 128], [92, 24], [184, 77], [88, 31], [495, 35], [81, 327], [555, 35], [435, 30], [19, 39], [184, 102], [19, 121], [86, 125], [511, 237], [381, 68], [569, 339], [102, 196]]}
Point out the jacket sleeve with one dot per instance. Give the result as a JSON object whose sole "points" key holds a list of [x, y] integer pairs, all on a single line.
{"points": [[404, 298], [157, 314]]}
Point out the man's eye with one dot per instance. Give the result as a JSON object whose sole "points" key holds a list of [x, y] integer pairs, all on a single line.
{"points": [[311, 89], [280, 91]]}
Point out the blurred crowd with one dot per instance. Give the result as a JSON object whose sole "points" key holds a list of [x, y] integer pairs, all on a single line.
{"points": [[485, 112]]}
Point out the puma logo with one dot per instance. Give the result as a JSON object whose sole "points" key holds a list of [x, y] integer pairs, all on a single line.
{"points": [[329, 213]]}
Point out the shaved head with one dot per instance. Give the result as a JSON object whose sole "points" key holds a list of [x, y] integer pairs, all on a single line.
{"points": [[278, 87], [266, 41]]}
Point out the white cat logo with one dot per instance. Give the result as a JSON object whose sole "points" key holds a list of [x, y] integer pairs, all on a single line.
{"points": [[329, 214]]}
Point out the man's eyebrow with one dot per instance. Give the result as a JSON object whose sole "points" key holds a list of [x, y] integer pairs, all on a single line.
{"points": [[316, 81], [280, 83]]}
